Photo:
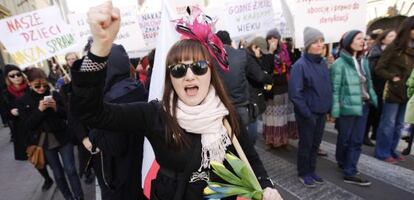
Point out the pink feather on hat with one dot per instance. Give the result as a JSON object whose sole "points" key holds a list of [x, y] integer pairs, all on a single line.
{"points": [[198, 26]]}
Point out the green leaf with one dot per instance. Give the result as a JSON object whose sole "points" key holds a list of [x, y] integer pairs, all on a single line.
{"points": [[235, 162], [215, 184], [225, 174], [250, 178], [258, 195], [243, 183], [243, 171]]}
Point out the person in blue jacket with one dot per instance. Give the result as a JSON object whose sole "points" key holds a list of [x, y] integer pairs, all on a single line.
{"points": [[311, 93]]}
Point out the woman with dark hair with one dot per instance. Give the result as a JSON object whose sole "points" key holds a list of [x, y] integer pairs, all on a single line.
{"points": [[279, 117], [54, 72], [394, 66], [186, 128], [17, 86], [353, 92], [383, 40], [43, 114]]}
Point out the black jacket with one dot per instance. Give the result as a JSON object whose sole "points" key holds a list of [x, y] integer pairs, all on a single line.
{"points": [[395, 62], [242, 66], [373, 57], [7, 103], [280, 79], [122, 152], [147, 119], [256, 90], [48, 121]]}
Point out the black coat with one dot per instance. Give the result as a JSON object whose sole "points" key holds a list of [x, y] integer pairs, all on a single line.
{"points": [[395, 62], [122, 152], [8, 102], [280, 80], [242, 66], [147, 119], [256, 88], [373, 57], [48, 121]]}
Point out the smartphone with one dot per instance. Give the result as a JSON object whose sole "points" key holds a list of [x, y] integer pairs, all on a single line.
{"points": [[47, 98]]}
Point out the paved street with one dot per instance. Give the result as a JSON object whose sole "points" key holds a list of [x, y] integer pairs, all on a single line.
{"points": [[19, 180], [388, 181]]}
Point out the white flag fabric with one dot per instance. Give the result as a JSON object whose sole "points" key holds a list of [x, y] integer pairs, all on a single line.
{"points": [[166, 38]]}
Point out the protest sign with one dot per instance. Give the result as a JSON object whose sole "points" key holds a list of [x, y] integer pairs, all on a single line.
{"points": [[129, 35], [35, 36], [150, 26], [248, 17], [332, 17]]}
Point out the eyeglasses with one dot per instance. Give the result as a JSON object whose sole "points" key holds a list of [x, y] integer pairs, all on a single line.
{"points": [[18, 74], [179, 70], [38, 86]]}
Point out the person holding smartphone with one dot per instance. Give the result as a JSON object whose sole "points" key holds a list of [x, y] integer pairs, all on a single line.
{"points": [[42, 113]]}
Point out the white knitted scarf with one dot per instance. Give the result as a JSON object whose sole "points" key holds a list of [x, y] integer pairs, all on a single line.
{"points": [[206, 119]]}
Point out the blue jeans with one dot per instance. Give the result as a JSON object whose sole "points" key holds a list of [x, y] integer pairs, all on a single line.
{"points": [[351, 131], [389, 130], [252, 131], [68, 158], [310, 136]]}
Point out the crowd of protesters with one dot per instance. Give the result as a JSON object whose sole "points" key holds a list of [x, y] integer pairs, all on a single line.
{"points": [[364, 88]]}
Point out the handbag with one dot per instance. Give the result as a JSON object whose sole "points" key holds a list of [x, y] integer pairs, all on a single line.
{"points": [[35, 153]]}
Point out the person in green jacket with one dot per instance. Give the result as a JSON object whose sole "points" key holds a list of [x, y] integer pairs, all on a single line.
{"points": [[352, 94], [395, 66], [409, 115]]}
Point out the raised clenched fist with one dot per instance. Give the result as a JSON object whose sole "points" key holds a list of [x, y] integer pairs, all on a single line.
{"points": [[104, 21]]}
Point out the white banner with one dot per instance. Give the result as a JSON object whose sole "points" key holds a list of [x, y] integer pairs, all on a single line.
{"points": [[35, 36], [150, 26], [129, 35], [332, 17], [248, 17]]}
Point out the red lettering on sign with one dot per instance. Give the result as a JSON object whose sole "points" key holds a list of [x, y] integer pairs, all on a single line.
{"points": [[24, 22], [41, 33]]}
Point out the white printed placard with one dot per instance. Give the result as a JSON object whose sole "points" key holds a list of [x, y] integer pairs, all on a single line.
{"points": [[34, 36]]}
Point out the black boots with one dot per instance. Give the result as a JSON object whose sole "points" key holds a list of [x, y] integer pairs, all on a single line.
{"points": [[47, 184]]}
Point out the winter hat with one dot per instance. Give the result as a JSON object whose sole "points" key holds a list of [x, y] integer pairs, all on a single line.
{"points": [[348, 37], [224, 37], [260, 42], [9, 68], [310, 35], [273, 33]]}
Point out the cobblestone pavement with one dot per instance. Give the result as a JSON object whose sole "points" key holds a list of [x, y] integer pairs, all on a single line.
{"points": [[20, 181]]}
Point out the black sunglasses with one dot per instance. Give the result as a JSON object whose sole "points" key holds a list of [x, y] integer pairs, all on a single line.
{"points": [[179, 70], [38, 86], [18, 74]]}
